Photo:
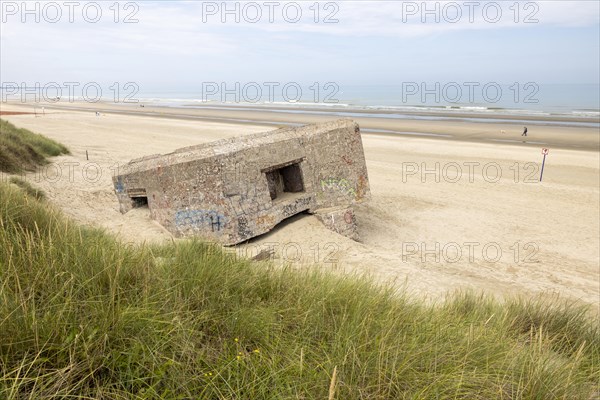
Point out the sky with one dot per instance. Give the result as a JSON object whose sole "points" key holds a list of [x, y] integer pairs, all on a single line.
{"points": [[173, 45]]}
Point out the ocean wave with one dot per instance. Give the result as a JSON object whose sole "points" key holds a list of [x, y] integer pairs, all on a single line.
{"points": [[305, 104], [174, 100], [586, 113]]}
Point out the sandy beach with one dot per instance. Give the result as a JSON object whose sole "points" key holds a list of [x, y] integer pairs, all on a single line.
{"points": [[456, 204], [552, 131]]}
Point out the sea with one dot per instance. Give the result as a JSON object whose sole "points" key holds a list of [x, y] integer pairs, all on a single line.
{"points": [[580, 102], [574, 104]]}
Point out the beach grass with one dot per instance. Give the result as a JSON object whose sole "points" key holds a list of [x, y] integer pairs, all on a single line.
{"points": [[83, 315], [22, 150], [27, 188]]}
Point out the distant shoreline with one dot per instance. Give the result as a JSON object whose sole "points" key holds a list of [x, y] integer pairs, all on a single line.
{"points": [[545, 131], [408, 112]]}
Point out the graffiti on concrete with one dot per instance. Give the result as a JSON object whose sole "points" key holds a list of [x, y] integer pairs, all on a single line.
{"points": [[296, 207], [243, 229], [119, 185], [342, 185], [265, 220], [363, 187], [349, 217], [200, 218]]}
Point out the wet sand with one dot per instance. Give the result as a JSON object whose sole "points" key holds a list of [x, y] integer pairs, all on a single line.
{"points": [[546, 131]]}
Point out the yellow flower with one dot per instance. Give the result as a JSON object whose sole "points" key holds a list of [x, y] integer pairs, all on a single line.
{"points": [[236, 340], [257, 351]]}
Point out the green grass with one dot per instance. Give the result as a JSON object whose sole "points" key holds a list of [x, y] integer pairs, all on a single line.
{"points": [[83, 315], [28, 188], [22, 150]]}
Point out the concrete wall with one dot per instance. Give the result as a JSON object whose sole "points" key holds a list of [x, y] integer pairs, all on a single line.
{"points": [[223, 191]]}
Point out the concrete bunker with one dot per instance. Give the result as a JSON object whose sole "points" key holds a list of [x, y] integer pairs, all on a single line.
{"points": [[235, 189]]}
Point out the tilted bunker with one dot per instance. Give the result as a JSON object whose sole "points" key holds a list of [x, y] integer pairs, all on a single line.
{"points": [[235, 189]]}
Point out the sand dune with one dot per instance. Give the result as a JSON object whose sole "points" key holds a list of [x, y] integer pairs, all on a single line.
{"points": [[445, 214]]}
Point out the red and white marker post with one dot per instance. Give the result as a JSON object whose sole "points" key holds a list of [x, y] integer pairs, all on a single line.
{"points": [[545, 153]]}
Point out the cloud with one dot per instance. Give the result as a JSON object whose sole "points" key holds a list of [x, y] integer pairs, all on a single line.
{"points": [[418, 18], [195, 38], [163, 29], [210, 27]]}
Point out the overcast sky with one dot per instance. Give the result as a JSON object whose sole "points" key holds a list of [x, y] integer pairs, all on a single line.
{"points": [[176, 45]]}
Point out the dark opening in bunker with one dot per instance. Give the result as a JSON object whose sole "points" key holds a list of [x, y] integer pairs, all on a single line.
{"points": [[138, 198], [139, 202], [285, 179]]}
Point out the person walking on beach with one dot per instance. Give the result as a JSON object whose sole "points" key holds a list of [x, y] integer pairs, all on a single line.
{"points": [[524, 132]]}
